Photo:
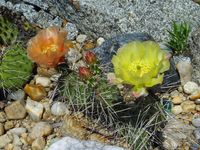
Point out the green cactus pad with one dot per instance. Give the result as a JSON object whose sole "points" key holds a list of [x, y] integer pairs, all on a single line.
{"points": [[8, 32], [15, 68]]}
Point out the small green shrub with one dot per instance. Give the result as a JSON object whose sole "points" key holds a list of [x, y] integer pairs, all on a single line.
{"points": [[178, 37]]}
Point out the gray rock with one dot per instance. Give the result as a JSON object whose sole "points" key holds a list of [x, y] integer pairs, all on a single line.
{"points": [[196, 122], [197, 133], [58, 109], [72, 31], [16, 95], [190, 87], [15, 110], [75, 144], [195, 51], [17, 131], [16, 140]]}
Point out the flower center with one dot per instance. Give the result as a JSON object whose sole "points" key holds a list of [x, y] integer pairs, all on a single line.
{"points": [[51, 48], [139, 67]]}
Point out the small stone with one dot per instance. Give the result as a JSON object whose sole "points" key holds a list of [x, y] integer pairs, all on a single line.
{"points": [[1, 129], [41, 129], [55, 77], [73, 56], [81, 38], [190, 87], [38, 144], [197, 101], [188, 106], [15, 110], [9, 125], [17, 131], [177, 110], [58, 109], [48, 72], [17, 148], [196, 122], [9, 147], [197, 133], [100, 41], [198, 107], [34, 109], [5, 139], [17, 95], [88, 45], [36, 92], [177, 99], [195, 95], [44, 81], [2, 117], [184, 68]]}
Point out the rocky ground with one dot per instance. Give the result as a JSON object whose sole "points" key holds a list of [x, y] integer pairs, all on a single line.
{"points": [[30, 119]]}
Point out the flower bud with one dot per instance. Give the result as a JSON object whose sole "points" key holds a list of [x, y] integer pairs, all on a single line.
{"points": [[84, 73], [90, 58]]}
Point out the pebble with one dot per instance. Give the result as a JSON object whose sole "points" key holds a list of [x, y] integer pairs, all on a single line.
{"points": [[178, 99], [2, 117], [15, 110], [197, 133], [59, 109], [1, 129], [100, 41], [9, 125], [5, 139], [170, 144], [197, 101], [177, 110], [196, 122], [55, 77], [190, 87], [36, 92], [47, 72], [188, 106], [34, 109], [81, 38], [17, 131], [16, 95], [38, 144], [41, 129], [44, 81], [195, 95], [198, 107]]}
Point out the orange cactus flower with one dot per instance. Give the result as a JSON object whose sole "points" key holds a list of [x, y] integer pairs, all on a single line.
{"points": [[84, 73], [48, 46], [90, 58]]}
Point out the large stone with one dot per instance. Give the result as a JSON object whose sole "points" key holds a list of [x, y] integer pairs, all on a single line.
{"points": [[34, 109], [15, 110]]}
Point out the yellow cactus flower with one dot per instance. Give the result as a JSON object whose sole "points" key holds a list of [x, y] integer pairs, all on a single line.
{"points": [[141, 64]]}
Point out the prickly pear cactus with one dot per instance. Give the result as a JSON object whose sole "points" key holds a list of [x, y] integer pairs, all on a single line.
{"points": [[8, 32], [15, 68]]}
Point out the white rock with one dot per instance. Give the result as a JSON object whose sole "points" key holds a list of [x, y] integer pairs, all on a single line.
{"points": [[58, 109], [81, 38], [34, 109], [17, 131], [100, 41], [177, 110], [16, 95], [190, 87], [5, 139], [75, 144], [44, 81]]}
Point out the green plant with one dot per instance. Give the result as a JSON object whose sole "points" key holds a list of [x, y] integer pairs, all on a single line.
{"points": [[178, 37], [141, 65], [15, 67], [8, 32]]}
